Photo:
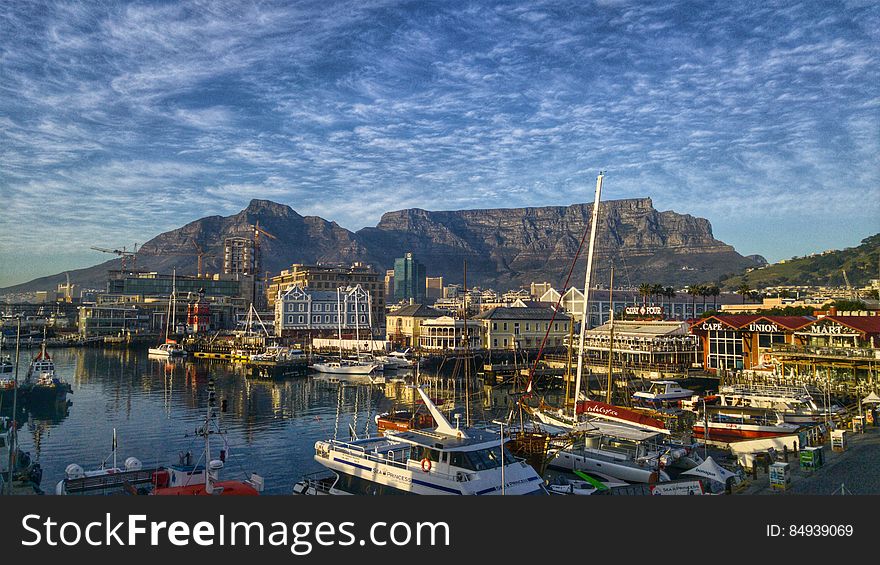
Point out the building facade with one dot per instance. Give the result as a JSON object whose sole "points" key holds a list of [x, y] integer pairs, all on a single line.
{"points": [[666, 346], [300, 312], [404, 324], [433, 288], [240, 257], [329, 278], [409, 279], [447, 334], [523, 328]]}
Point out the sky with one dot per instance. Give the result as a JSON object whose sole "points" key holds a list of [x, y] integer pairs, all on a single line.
{"points": [[119, 121]]}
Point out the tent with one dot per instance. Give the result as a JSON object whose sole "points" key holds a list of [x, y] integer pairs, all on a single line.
{"points": [[872, 398], [709, 469]]}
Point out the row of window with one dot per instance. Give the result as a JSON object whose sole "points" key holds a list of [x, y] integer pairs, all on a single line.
{"points": [[528, 326], [322, 307], [327, 319]]}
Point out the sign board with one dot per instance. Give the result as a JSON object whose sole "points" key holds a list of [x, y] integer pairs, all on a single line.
{"points": [[644, 310], [780, 475], [763, 328], [677, 488]]}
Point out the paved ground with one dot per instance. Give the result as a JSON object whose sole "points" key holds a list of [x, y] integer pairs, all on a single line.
{"points": [[857, 468]]}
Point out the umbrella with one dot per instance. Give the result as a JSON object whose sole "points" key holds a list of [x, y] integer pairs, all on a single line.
{"points": [[872, 398], [709, 469]]}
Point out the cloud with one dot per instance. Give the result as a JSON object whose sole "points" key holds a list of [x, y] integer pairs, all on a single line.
{"points": [[137, 117]]}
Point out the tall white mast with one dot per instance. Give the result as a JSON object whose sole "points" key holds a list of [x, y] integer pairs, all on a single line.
{"points": [[174, 300], [586, 311], [339, 318], [357, 325]]}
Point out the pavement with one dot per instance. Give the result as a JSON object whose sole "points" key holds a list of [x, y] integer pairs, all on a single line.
{"points": [[857, 469]]}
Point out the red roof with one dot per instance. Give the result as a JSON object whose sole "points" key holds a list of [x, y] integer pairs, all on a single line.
{"points": [[866, 324]]}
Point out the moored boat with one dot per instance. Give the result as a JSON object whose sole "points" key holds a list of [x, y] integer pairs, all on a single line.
{"points": [[662, 393], [742, 423]]}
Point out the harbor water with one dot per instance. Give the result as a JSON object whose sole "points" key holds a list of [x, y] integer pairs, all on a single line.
{"points": [[156, 405]]}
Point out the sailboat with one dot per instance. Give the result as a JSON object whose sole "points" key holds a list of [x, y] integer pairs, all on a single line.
{"points": [[170, 348], [346, 366]]}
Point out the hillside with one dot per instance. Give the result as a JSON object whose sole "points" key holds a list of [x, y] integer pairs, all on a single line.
{"points": [[861, 264]]}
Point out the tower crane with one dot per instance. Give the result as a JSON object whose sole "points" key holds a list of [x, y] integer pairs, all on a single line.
{"points": [[853, 294], [199, 253], [123, 254]]}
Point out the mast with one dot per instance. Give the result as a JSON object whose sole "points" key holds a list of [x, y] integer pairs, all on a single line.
{"points": [[586, 312], [357, 326], [610, 338], [467, 362], [174, 300], [339, 318], [14, 445]]}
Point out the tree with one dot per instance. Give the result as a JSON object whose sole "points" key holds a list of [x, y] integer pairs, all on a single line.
{"points": [[714, 291], [694, 291], [657, 290], [645, 291], [744, 290]]}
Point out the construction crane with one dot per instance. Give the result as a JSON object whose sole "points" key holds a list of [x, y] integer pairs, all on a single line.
{"points": [[199, 253], [123, 254], [853, 294]]}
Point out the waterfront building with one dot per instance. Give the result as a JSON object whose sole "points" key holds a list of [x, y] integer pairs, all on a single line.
{"points": [[409, 279], [155, 284], [404, 324], [302, 312], [523, 328], [660, 346], [741, 341], [389, 283], [447, 334], [326, 277], [94, 320]]}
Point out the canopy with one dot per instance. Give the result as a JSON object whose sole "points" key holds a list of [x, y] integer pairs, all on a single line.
{"points": [[711, 470], [872, 398]]}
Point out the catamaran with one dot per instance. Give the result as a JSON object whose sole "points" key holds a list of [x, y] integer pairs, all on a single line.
{"points": [[443, 460]]}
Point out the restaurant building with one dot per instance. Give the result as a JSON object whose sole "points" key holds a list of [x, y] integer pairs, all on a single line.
{"points": [[742, 342]]}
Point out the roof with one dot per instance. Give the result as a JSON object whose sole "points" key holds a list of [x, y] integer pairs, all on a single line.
{"points": [[866, 324], [740, 321], [417, 311], [645, 328], [504, 313]]}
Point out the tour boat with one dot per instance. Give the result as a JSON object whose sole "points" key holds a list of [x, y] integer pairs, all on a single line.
{"points": [[798, 405], [662, 393], [443, 460], [742, 423]]}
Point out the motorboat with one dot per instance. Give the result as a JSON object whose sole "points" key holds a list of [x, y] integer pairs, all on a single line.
{"points": [[798, 405], [742, 423], [662, 393], [346, 367], [442, 460], [167, 349]]}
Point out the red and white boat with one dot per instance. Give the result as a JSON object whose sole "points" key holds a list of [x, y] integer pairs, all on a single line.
{"points": [[742, 423]]}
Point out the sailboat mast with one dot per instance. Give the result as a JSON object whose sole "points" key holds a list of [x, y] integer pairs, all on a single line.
{"points": [[586, 311], [467, 361], [357, 327], [13, 446], [610, 337], [174, 300], [339, 319]]}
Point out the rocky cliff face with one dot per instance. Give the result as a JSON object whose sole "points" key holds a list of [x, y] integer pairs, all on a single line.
{"points": [[504, 248], [512, 247]]}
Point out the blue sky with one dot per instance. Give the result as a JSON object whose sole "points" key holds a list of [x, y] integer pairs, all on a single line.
{"points": [[120, 121]]}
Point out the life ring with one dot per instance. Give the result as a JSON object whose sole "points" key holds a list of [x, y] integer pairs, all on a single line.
{"points": [[426, 464]]}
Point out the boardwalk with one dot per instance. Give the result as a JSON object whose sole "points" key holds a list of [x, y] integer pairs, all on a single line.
{"points": [[856, 468]]}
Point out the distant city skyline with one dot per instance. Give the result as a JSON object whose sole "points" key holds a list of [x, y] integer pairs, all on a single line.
{"points": [[119, 122]]}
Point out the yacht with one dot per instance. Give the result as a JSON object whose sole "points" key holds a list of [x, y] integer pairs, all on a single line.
{"points": [[168, 349], [798, 405], [625, 453], [346, 367], [726, 423], [443, 460], [662, 393]]}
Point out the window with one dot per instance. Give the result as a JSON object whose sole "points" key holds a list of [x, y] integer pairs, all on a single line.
{"points": [[505, 342], [316, 319], [516, 328], [301, 319], [505, 329], [529, 328], [302, 307], [327, 319], [290, 319], [495, 342], [318, 307], [556, 326], [494, 325]]}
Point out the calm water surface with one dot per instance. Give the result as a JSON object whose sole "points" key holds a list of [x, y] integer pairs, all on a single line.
{"points": [[156, 405]]}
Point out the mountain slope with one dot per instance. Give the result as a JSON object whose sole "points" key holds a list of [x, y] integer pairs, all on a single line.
{"points": [[861, 264]]}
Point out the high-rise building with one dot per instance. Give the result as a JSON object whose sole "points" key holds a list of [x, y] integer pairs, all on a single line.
{"points": [[409, 279], [239, 257], [324, 277], [389, 283], [433, 288]]}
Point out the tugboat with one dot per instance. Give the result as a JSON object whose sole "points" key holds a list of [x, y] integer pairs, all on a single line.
{"points": [[41, 384]]}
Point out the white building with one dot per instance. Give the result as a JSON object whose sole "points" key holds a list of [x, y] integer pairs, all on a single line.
{"points": [[303, 310], [447, 333]]}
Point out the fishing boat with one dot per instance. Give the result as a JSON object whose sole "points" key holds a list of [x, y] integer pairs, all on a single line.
{"points": [[742, 423], [662, 393], [202, 477], [443, 460], [798, 405]]}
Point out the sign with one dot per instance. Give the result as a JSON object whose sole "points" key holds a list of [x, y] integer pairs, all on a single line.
{"points": [[682, 488], [644, 310], [763, 328], [618, 414], [827, 330], [711, 326]]}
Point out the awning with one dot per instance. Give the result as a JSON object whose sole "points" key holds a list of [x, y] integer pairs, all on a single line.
{"points": [[872, 398], [709, 469]]}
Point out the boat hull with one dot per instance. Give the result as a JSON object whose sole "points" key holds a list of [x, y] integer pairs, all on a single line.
{"points": [[343, 369], [737, 431]]}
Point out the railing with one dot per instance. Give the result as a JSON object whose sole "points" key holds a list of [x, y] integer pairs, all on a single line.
{"points": [[858, 352]]}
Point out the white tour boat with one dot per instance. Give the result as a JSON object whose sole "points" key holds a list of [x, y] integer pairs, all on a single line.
{"points": [[662, 393], [443, 460], [798, 405]]}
